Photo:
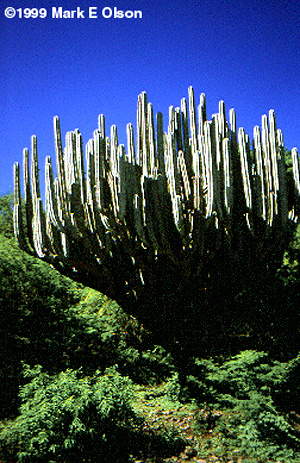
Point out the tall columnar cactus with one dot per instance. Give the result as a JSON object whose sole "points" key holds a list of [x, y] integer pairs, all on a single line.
{"points": [[149, 224]]}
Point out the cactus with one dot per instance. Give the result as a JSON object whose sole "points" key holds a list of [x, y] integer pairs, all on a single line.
{"points": [[146, 225]]}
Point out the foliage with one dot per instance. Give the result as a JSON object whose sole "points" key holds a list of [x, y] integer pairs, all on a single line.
{"points": [[244, 398], [47, 319], [118, 337], [69, 416], [6, 215], [32, 300]]}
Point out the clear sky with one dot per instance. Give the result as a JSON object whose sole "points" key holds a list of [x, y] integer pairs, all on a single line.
{"points": [[244, 52]]}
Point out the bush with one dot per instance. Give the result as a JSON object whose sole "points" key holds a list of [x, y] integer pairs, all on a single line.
{"points": [[243, 400], [70, 417]]}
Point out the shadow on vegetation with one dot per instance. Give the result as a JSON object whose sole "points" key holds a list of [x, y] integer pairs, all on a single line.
{"points": [[48, 320]]}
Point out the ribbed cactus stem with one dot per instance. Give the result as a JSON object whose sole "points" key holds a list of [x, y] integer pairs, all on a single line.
{"points": [[295, 158], [35, 169], [80, 166], [60, 169], [89, 155], [50, 197], [27, 188], [274, 156], [193, 122], [217, 140], [70, 161], [170, 165], [259, 173], [178, 129], [185, 178], [124, 185], [232, 118], [202, 113], [130, 144], [268, 169], [28, 196], [223, 129], [17, 203], [38, 232], [53, 224], [97, 166], [101, 125], [245, 167], [114, 161], [142, 130], [227, 168], [280, 138], [208, 169], [160, 144], [185, 123], [152, 148]]}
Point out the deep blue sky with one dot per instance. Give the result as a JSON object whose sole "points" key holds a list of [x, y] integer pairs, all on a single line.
{"points": [[244, 52]]}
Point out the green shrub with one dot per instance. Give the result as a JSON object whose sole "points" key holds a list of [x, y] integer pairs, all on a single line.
{"points": [[242, 400], [69, 417]]}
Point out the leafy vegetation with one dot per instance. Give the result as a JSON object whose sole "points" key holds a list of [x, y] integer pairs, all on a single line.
{"points": [[48, 320], [247, 402], [6, 215], [64, 416], [82, 381]]}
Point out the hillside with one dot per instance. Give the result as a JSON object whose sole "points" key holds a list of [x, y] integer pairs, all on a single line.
{"points": [[82, 381]]}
